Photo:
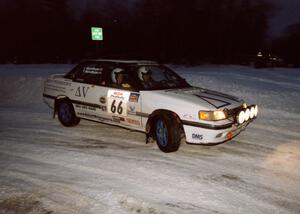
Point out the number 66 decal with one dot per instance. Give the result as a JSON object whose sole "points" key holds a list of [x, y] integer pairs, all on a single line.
{"points": [[117, 102], [115, 108]]}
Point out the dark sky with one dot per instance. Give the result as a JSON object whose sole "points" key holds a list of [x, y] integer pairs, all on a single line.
{"points": [[287, 12]]}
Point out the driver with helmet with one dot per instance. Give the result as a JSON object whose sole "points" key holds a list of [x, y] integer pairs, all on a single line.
{"points": [[145, 75], [118, 78]]}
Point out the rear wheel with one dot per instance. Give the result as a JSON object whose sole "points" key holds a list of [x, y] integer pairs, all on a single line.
{"points": [[66, 113], [167, 132]]}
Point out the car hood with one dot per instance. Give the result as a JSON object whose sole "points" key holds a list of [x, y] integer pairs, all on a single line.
{"points": [[212, 98], [200, 97]]}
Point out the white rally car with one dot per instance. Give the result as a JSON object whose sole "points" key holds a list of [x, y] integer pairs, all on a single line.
{"points": [[148, 97]]}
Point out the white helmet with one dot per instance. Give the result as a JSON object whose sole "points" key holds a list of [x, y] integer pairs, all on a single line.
{"points": [[143, 70], [114, 74]]}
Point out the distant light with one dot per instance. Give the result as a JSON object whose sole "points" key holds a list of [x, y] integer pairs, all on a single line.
{"points": [[97, 33], [259, 54]]}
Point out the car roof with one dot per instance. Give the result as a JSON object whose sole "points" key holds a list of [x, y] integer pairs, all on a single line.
{"points": [[137, 62]]}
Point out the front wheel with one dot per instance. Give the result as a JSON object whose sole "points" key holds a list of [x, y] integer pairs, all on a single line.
{"points": [[66, 113], [167, 133]]}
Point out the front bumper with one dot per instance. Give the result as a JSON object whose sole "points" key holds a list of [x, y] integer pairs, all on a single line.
{"points": [[200, 134]]}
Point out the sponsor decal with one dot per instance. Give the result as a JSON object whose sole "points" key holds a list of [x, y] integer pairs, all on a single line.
{"points": [[85, 107], [103, 108], [102, 100], [118, 119], [197, 136], [131, 109], [189, 116], [81, 91], [91, 108], [116, 94], [91, 116], [91, 70], [134, 97], [134, 122], [117, 97]]}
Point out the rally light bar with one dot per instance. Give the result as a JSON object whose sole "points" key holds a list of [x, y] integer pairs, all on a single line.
{"points": [[247, 113]]}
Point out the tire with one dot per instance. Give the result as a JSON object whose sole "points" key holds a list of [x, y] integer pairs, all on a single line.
{"points": [[167, 133], [66, 113]]}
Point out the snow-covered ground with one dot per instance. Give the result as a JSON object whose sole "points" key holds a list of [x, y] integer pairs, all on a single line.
{"points": [[96, 168]]}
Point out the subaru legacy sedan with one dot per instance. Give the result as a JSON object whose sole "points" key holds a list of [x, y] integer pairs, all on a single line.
{"points": [[149, 97]]}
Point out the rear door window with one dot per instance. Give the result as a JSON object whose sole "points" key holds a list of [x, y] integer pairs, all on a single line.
{"points": [[91, 73]]}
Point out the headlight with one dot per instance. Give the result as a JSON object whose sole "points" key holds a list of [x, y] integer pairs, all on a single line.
{"points": [[212, 115], [241, 117]]}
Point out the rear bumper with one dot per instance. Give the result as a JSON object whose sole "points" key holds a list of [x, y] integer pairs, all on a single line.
{"points": [[211, 135]]}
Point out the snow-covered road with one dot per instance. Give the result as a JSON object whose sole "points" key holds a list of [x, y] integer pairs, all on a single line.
{"points": [[96, 168]]}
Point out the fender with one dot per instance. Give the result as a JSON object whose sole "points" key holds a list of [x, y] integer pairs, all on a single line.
{"points": [[151, 120]]}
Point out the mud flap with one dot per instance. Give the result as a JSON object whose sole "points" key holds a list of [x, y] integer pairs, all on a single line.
{"points": [[149, 138], [54, 113]]}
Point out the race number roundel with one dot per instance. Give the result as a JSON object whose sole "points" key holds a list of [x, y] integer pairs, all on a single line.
{"points": [[117, 102]]}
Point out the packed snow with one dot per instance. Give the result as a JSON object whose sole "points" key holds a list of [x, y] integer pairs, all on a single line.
{"points": [[97, 168]]}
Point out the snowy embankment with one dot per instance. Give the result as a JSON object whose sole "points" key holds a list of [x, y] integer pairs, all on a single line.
{"points": [[96, 168]]}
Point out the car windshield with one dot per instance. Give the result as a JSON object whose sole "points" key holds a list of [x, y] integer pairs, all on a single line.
{"points": [[157, 77]]}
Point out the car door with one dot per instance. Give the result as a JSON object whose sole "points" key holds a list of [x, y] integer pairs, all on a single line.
{"points": [[124, 103], [123, 106], [89, 91]]}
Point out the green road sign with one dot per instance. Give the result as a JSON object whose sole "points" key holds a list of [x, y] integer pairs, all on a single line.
{"points": [[97, 33]]}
